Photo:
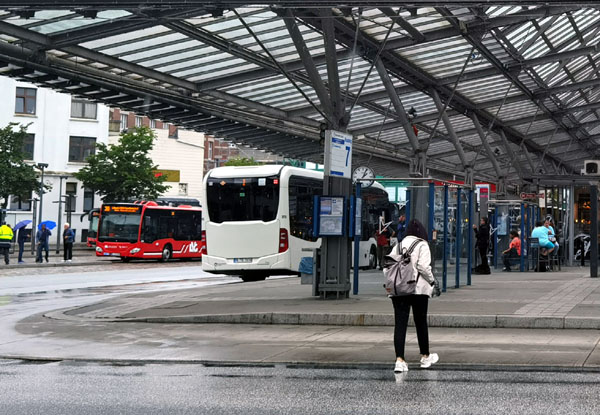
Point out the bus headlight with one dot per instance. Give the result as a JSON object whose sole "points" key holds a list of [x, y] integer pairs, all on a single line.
{"points": [[98, 249], [134, 251]]}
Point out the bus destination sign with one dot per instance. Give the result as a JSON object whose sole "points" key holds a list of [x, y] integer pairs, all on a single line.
{"points": [[122, 209]]}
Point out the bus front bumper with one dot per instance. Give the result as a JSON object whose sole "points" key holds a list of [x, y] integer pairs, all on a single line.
{"points": [[118, 250], [233, 265]]}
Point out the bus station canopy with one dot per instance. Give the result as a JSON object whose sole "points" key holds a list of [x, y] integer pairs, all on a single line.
{"points": [[507, 89]]}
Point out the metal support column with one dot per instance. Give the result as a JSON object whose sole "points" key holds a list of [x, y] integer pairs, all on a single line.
{"points": [[445, 255], [60, 203], [357, 205], [594, 231], [407, 206], [452, 137], [398, 107], [470, 237], [34, 202], [495, 238], [522, 260], [458, 237], [431, 211], [571, 251], [309, 65]]}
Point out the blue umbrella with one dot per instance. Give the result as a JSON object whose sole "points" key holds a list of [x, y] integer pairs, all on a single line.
{"points": [[21, 224], [49, 224]]}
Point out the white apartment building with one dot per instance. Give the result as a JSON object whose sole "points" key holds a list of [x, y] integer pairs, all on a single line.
{"points": [[184, 157], [63, 131], [178, 153]]}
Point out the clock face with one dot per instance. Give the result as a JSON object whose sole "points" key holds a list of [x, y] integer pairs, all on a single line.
{"points": [[363, 172]]}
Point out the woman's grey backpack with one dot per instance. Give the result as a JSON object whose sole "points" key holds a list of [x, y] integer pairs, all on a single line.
{"points": [[400, 273]]}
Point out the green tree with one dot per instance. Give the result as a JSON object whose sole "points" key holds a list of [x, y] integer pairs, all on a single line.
{"points": [[241, 161], [16, 177], [124, 171]]}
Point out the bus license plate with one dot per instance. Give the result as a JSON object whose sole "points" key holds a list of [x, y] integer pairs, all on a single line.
{"points": [[242, 260], [108, 254]]}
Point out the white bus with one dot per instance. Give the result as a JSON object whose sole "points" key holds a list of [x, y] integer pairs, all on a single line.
{"points": [[258, 219]]}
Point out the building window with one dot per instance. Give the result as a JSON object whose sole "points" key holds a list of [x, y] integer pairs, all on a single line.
{"points": [[28, 146], [210, 150], [71, 192], [165, 126], [183, 189], [25, 103], [80, 148], [123, 125], [153, 124], [138, 121], [88, 200], [81, 108], [16, 203]]}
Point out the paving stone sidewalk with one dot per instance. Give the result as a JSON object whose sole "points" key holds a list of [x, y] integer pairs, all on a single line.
{"points": [[557, 300]]}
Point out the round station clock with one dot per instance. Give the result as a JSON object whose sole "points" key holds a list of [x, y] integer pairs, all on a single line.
{"points": [[361, 173]]}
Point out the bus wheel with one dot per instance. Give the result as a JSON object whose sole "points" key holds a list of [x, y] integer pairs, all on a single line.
{"points": [[125, 259], [253, 276], [373, 258], [166, 253]]}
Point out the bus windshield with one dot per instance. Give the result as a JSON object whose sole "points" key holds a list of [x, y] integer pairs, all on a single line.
{"points": [[119, 223], [242, 199]]}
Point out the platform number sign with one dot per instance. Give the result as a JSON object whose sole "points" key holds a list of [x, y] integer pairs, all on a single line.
{"points": [[338, 154]]}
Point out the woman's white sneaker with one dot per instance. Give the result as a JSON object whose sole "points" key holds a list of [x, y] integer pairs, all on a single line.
{"points": [[429, 360], [401, 366]]}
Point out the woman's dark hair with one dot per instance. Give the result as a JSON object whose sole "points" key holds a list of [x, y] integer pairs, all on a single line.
{"points": [[514, 233], [539, 223], [485, 220], [416, 228]]}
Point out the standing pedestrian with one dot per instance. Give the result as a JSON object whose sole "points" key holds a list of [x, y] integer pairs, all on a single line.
{"points": [[401, 228], [482, 236], [383, 243], [421, 259], [6, 236], [21, 239], [42, 237], [68, 239]]}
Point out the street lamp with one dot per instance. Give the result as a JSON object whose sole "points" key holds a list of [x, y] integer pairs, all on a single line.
{"points": [[60, 203], [33, 202], [42, 166]]}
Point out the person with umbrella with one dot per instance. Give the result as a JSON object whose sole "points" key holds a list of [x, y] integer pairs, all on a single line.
{"points": [[6, 236], [21, 237], [42, 237]]}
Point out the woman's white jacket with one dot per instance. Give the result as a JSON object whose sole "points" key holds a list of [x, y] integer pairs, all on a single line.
{"points": [[421, 258]]}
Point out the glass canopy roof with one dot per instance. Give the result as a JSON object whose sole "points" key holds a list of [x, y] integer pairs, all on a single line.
{"points": [[507, 89]]}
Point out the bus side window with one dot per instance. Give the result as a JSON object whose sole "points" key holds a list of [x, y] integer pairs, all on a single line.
{"points": [[301, 199], [185, 227], [149, 229]]}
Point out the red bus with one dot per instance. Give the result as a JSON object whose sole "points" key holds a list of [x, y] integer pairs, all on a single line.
{"points": [[147, 230]]}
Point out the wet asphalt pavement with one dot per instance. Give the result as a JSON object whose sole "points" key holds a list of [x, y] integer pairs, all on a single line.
{"points": [[90, 388]]}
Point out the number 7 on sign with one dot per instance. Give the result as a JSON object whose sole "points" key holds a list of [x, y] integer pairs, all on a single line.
{"points": [[347, 154]]}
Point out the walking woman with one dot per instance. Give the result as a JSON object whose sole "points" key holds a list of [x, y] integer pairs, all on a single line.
{"points": [[421, 258]]}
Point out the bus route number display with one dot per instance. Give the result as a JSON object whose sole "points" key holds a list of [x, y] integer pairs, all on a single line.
{"points": [[122, 209], [338, 154], [331, 216]]}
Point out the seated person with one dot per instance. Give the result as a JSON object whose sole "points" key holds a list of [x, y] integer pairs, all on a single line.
{"points": [[551, 233], [513, 251], [541, 233]]}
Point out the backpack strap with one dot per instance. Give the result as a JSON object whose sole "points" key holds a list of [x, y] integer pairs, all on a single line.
{"points": [[413, 246]]}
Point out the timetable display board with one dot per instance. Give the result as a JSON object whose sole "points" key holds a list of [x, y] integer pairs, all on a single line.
{"points": [[331, 216]]}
